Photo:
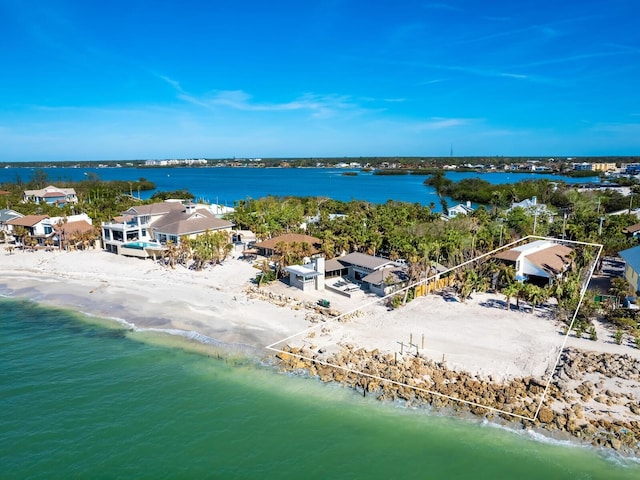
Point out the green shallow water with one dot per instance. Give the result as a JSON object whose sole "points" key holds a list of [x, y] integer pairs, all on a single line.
{"points": [[79, 400]]}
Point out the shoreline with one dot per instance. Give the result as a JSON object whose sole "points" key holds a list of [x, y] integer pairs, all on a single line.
{"points": [[217, 313]]}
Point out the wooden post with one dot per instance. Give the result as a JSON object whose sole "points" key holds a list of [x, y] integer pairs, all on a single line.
{"points": [[423, 341], [410, 338], [395, 358]]}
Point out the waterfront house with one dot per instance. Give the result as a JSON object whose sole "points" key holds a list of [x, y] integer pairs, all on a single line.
{"points": [[349, 275], [74, 228], [146, 227], [374, 274], [35, 226], [51, 195], [541, 261], [307, 277], [188, 222], [386, 280], [460, 209], [356, 266], [266, 248]]}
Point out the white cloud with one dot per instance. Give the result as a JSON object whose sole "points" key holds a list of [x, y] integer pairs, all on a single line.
{"points": [[319, 105], [515, 75], [438, 123]]}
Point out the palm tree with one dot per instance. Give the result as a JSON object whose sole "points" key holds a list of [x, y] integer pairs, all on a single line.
{"points": [[506, 274], [469, 280], [170, 254], [619, 288], [265, 270], [415, 268], [510, 291], [20, 233], [184, 251], [534, 295]]}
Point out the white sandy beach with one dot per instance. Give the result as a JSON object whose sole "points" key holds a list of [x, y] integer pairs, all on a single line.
{"points": [[148, 295], [479, 336]]}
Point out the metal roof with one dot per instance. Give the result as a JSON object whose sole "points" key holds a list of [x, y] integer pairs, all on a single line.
{"points": [[632, 257]]}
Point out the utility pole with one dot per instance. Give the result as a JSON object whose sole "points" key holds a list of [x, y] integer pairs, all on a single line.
{"points": [[600, 226]]}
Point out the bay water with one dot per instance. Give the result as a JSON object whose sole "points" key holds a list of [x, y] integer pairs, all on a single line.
{"points": [[226, 185], [81, 398]]}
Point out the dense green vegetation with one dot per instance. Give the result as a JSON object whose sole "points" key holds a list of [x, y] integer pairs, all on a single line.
{"points": [[399, 230], [99, 199]]}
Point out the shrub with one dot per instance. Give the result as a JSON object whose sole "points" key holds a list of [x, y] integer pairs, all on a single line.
{"points": [[396, 301], [617, 337], [593, 335]]}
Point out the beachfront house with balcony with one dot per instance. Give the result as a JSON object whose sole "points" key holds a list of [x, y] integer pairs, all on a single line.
{"points": [[541, 261], [143, 228], [188, 222], [51, 195], [34, 226]]}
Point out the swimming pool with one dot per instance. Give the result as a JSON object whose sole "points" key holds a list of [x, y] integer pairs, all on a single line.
{"points": [[142, 245]]}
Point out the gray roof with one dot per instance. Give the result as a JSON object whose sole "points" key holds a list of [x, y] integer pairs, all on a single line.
{"points": [[155, 208], [333, 265], [363, 260], [392, 274], [181, 222], [632, 257], [7, 214]]}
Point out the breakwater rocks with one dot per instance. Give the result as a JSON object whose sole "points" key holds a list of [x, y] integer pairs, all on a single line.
{"points": [[578, 402]]}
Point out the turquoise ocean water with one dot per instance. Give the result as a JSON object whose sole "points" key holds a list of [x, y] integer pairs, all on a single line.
{"points": [[79, 399]]}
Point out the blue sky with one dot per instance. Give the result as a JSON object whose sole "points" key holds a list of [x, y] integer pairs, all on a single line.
{"points": [[131, 79]]}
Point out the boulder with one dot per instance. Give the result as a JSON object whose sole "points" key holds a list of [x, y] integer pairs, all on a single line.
{"points": [[546, 415]]}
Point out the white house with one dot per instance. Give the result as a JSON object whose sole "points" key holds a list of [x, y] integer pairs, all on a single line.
{"points": [[51, 195], [36, 226], [307, 277], [531, 206], [7, 214], [460, 209], [542, 259], [148, 226]]}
